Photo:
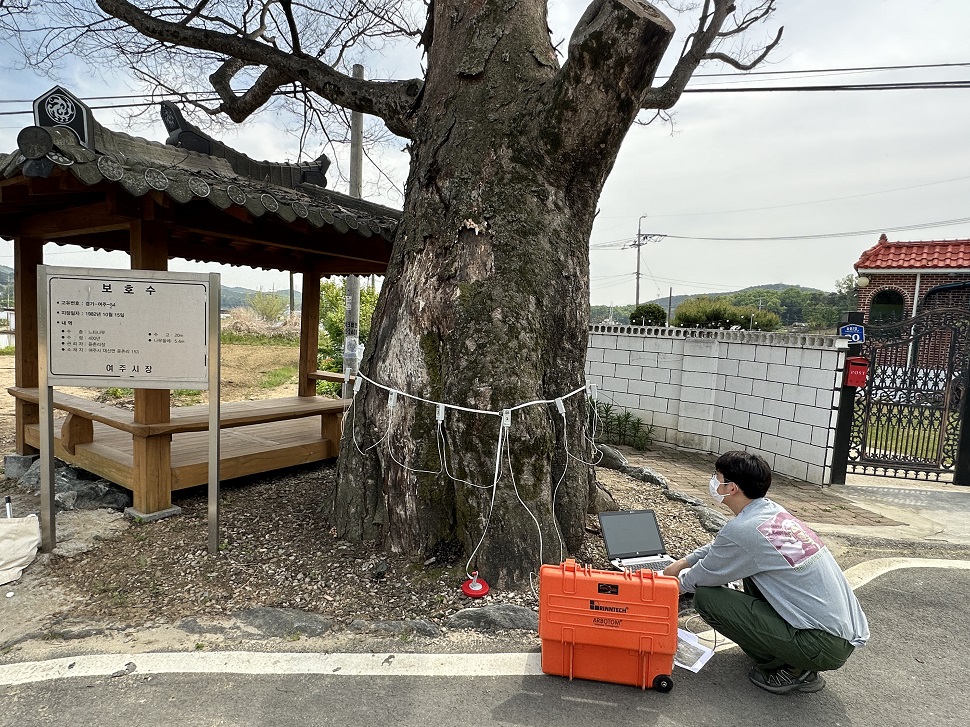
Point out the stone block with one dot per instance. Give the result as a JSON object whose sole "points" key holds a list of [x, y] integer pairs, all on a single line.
{"points": [[15, 466], [149, 517]]}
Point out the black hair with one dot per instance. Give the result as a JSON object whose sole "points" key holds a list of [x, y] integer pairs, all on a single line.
{"points": [[748, 471]]}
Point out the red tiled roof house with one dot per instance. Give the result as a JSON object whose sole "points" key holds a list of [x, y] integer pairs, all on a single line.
{"points": [[898, 280]]}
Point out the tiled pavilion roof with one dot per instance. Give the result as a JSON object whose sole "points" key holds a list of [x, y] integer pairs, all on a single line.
{"points": [[219, 206]]}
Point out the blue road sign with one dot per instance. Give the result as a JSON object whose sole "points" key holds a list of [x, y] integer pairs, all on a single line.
{"points": [[854, 332]]}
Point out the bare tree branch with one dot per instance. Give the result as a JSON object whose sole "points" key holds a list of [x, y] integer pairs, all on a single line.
{"points": [[195, 12], [741, 66], [287, 6], [701, 45], [389, 100], [240, 107]]}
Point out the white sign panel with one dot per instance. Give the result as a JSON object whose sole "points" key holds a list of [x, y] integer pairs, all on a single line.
{"points": [[138, 329]]}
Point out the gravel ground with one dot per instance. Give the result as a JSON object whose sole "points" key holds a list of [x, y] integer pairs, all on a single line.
{"points": [[279, 552]]}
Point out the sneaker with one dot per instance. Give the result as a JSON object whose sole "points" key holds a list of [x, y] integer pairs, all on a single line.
{"points": [[784, 680]]}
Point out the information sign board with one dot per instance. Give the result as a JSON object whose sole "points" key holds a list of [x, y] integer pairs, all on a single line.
{"points": [[139, 329], [854, 332]]}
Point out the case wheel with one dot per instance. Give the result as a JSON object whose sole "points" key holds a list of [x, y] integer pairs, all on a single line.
{"points": [[663, 683]]}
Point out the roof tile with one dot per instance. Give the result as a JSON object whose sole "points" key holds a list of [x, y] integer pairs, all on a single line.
{"points": [[919, 255]]}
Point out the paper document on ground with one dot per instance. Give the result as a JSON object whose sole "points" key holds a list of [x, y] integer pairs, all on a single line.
{"points": [[19, 540], [691, 654]]}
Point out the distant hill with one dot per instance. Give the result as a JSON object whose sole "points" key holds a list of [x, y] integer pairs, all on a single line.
{"points": [[678, 299], [6, 275], [621, 313]]}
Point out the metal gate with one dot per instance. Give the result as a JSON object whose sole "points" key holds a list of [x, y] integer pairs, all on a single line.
{"points": [[907, 419]]}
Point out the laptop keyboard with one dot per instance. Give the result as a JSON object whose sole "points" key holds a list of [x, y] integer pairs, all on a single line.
{"points": [[657, 565]]}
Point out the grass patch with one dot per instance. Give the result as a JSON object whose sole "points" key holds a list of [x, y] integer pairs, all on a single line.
{"points": [[277, 377], [255, 339], [8, 351], [186, 397], [907, 430], [115, 392]]}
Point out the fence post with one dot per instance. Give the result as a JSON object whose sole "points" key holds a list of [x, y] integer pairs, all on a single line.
{"points": [[961, 467], [843, 422]]}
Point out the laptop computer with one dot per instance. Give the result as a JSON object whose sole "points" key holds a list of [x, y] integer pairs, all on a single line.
{"points": [[633, 540]]}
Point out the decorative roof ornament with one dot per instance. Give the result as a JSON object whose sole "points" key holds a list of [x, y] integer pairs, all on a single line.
{"points": [[156, 179], [184, 135], [59, 108]]}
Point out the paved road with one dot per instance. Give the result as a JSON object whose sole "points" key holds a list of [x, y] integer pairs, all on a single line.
{"points": [[948, 508], [913, 672]]}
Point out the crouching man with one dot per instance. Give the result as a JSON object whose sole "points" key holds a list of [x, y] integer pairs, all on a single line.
{"points": [[797, 615]]}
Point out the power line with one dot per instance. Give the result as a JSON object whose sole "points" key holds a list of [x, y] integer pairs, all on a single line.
{"points": [[816, 201], [915, 86], [206, 96], [855, 233], [733, 74], [851, 69]]}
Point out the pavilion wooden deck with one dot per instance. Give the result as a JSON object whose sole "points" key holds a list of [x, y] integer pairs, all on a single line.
{"points": [[257, 436]]}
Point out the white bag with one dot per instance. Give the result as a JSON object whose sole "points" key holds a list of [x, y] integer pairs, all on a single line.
{"points": [[19, 540]]}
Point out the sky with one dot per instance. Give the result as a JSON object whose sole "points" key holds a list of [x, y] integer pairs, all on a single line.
{"points": [[745, 165]]}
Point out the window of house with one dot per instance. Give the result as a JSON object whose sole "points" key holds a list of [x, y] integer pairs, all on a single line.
{"points": [[886, 307]]}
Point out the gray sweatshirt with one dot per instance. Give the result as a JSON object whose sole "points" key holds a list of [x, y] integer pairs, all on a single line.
{"points": [[788, 563]]}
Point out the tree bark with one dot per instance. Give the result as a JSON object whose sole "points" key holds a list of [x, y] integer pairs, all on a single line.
{"points": [[485, 301]]}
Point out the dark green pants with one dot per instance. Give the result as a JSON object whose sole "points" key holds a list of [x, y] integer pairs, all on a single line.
{"points": [[749, 621]]}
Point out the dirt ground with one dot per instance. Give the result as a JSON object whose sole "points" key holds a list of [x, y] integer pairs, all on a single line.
{"points": [[111, 580]]}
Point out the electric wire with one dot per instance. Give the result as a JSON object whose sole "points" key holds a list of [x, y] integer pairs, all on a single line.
{"points": [[207, 95], [502, 445], [897, 86], [854, 233]]}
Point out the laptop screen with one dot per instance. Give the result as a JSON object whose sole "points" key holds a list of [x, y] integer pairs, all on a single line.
{"points": [[631, 533]]}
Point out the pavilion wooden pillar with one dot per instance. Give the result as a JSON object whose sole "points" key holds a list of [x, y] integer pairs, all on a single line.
{"points": [[309, 334], [28, 253], [152, 463]]}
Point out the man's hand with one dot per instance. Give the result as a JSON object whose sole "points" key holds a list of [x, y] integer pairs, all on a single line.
{"points": [[675, 568]]}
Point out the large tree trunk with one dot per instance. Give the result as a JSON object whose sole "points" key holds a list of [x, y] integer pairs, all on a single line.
{"points": [[486, 301]]}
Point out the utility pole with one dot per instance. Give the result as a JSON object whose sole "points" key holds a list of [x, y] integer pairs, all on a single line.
{"points": [[642, 239], [352, 286], [637, 246]]}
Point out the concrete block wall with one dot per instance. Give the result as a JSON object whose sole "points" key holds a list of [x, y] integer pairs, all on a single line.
{"points": [[772, 393]]}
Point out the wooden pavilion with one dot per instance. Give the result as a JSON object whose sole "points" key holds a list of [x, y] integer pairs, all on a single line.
{"points": [[71, 181]]}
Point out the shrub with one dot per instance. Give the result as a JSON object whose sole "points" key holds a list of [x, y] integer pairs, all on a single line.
{"points": [[622, 428], [648, 314], [268, 306]]}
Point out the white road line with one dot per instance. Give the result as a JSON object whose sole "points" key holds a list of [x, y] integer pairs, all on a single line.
{"points": [[454, 665], [248, 662], [859, 575]]}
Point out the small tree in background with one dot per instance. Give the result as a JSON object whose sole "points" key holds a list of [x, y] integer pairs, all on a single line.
{"points": [[268, 306], [332, 315], [648, 314], [760, 320]]}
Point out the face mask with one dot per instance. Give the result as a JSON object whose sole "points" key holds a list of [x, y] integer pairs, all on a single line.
{"points": [[712, 488]]}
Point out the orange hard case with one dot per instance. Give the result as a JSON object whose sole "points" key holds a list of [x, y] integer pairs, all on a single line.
{"points": [[609, 626]]}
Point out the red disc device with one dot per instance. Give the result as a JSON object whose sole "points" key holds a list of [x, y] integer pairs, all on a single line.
{"points": [[474, 587]]}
